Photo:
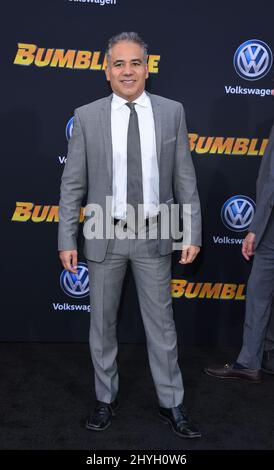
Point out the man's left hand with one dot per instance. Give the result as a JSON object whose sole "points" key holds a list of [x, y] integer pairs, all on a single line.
{"points": [[189, 254]]}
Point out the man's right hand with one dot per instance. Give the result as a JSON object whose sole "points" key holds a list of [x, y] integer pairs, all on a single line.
{"points": [[69, 260], [248, 245]]}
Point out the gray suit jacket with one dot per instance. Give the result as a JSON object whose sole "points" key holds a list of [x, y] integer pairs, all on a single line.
{"points": [[264, 192], [88, 170]]}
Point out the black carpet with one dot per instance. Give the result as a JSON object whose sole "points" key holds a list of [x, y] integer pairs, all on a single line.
{"points": [[47, 392]]}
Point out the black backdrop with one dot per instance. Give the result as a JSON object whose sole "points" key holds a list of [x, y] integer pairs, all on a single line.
{"points": [[192, 47]]}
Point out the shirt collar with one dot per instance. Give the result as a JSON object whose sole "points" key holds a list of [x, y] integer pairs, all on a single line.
{"points": [[118, 102]]}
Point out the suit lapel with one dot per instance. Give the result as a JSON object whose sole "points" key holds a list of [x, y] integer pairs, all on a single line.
{"points": [[158, 124], [105, 118]]}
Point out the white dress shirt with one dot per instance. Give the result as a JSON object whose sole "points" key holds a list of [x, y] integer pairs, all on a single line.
{"points": [[119, 126]]}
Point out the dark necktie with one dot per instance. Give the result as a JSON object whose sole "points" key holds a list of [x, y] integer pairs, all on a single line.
{"points": [[134, 162]]}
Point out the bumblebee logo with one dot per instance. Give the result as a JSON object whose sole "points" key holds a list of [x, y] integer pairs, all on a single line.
{"points": [[27, 211], [226, 145], [31, 54], [207, 290]]}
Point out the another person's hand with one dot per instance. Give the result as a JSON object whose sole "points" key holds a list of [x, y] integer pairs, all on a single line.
{"points": [[248, 245], [69, 260], [189, 254]]}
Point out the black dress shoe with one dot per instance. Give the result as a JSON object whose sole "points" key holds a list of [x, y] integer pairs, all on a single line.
{"points": [[101, 418], [268, 362], [229, 372], [179, 421]]}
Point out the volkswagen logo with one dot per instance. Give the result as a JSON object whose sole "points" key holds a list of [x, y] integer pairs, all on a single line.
{"points": [[253, 59], [69, 128], [237, 213], [75, 285]]}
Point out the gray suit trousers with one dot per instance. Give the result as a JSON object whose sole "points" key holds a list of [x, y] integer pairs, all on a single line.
{"points": [[152, 274], [259, 322]]}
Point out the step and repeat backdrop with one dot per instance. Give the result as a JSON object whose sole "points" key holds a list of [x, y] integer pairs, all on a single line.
{"points": [[215, 58]]}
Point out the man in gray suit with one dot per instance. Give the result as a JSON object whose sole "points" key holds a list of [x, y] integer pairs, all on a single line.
{"points": [[131, 147], [257, 352]]}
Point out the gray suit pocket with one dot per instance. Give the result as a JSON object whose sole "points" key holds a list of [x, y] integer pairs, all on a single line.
{"points": [[169, 141]]}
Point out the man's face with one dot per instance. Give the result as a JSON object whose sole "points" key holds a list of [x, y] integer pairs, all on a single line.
{"points": [[127, 72]]}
